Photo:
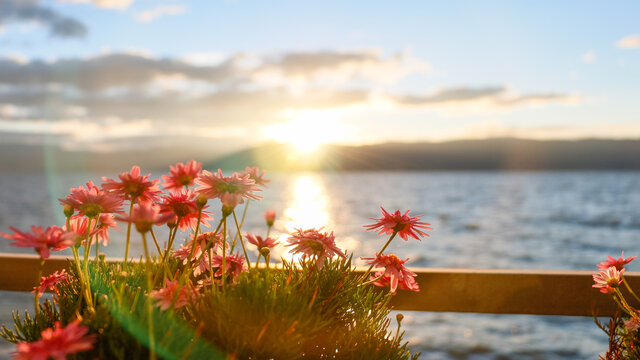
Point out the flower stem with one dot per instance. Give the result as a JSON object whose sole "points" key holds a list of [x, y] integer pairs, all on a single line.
{"points": [[155, 241], [149, 304], [624, 280], [364, 277], [126, 249], [244, 214], [36, 296], [241, 241]]}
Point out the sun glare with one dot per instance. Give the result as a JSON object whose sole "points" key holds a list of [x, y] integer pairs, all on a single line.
{"points": [[308, 129]]}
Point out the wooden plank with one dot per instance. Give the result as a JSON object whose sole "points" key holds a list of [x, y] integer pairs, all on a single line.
{"points": [[492, 291]]}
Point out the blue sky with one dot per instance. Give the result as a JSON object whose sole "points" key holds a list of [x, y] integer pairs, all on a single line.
{"points": [[314, 72]]}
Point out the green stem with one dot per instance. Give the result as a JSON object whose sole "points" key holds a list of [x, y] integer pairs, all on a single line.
{"points": [[149, 304], [155, 241], [626, 284], [258, 259], [364, 277], [246, 256], [126, 249], [269, 230], [36, 296], [224, 252], [244, 214]]}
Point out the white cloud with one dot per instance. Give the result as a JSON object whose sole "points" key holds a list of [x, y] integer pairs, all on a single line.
{"points": [[629, 42], [105, 4], [160, 10], [589, 57]]}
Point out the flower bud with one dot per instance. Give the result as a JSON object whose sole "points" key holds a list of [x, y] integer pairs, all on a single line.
{"points": [[399, 318], [270, 217], [201, 201], [172, 223], [265, 251], [226, 210], [68, 211]]}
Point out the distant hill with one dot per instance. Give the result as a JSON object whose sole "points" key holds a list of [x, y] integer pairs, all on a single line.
{"points": [[489, 154]]}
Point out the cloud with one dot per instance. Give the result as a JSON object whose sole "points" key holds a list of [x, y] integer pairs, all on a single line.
{"points": [[589, 57], [158, 11], [105, 4], [32, 11], [116, 94], [495, 96], [629, 42]]}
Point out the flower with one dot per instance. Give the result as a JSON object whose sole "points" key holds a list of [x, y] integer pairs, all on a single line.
{"points": [[78, 229], [270, 217], [256, 175], [608, 280], [261, 243], [312, 242], [383, 280], [201, 243], [133, 187], [105, 221], [619, 263], [182, 175], [57, 343], [174, 294], [92, 201], [50, 282], [234, 265], [232, 190], [632, 324], [182, 204], [42, 241], [403, 224], [394, 272], [144, 216]]}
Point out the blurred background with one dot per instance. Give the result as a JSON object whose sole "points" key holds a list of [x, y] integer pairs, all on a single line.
{"points": [[512, 126]]}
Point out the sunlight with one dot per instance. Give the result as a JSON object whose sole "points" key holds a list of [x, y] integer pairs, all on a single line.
{"points": [[308, 129]]}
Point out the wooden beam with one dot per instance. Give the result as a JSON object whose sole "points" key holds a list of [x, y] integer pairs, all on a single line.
{"points": [[492, 291]]}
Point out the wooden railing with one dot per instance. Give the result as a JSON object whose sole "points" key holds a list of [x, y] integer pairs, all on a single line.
{"points": [[492, 291]]}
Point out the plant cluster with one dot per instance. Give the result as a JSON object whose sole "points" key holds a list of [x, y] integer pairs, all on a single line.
{"points": [[622, 328], [206, 299]]}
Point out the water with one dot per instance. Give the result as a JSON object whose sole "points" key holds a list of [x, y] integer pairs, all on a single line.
{"points": [[522, 220]]}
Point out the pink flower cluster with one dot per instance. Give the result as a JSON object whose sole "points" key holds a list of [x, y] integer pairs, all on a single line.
{"points": [[57, 343]]}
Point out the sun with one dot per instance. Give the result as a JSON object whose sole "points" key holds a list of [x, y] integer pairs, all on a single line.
{"points": [[307, 130]]}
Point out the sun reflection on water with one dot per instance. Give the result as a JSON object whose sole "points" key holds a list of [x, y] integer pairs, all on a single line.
{"points": [[308, 207]]}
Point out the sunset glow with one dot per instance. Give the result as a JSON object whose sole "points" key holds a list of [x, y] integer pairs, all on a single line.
{"points": [[307, 130]]}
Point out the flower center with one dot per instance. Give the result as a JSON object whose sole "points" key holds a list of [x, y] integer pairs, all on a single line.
{"points": [[91, 210]]}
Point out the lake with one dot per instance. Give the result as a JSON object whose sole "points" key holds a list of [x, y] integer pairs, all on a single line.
{"points": [[515, 220]]}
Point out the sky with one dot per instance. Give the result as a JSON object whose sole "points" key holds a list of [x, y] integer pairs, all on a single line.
{"points": [[101, 75]]}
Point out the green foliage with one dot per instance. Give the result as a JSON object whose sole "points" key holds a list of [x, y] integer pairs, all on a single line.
{"points": [[288, 313]]}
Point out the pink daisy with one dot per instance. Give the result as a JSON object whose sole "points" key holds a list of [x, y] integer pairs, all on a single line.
{"points": [[403, 224], [312, 242], [232, 190], [133, 187], [144, 216], [260, 242], [182, 203], [270, 217], [92, 201], [42, 241], [172, 291], [234, 265], [50, 282], [608, 280], [619, 263], [78, 227], [182, 175], [256, 175], [383, 280], [57, 343], [394, 272], [105, 221]]}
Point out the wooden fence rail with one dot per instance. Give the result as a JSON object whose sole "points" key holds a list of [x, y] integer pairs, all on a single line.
{"points": [[491, 291]]}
